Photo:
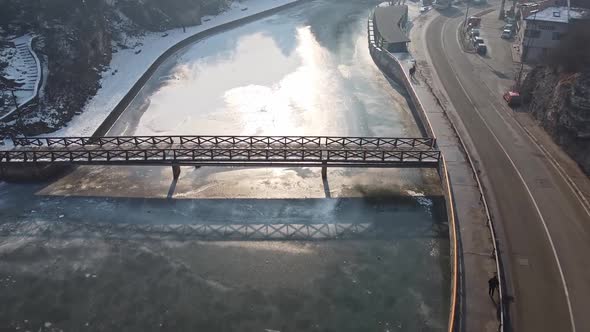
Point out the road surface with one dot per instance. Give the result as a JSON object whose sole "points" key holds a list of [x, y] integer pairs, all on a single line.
{"points": [[544, 229]]}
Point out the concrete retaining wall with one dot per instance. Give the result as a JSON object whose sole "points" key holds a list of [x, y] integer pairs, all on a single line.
{"points": [[394, 69], [32, 173]]}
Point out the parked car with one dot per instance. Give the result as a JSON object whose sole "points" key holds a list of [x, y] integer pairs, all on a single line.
{"points": [[512, 98], [476, 41], [506, 34], [481, 48], [509, 26], [474, 33]]}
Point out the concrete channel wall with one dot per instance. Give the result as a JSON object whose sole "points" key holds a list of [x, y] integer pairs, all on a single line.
{"points": [[394, 69]]}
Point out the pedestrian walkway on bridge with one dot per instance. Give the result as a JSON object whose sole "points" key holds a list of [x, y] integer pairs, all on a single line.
{"points": [[248, 151]]}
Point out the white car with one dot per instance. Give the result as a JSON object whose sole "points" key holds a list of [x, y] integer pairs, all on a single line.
{"points": [[506, 34]]}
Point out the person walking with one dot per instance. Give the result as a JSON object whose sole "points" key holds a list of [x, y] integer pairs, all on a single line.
{"points": [[493, 284], [413, 70]]}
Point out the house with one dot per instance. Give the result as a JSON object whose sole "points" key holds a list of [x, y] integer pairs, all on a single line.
{"points": [[524, 9], [542, 30], [390, 27]]}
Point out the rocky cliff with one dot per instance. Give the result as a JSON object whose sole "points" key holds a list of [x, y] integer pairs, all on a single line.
{"points": [[76, 39], [561, 102], [558, 93]]}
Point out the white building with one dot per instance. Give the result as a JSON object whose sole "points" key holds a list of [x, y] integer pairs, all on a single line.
{"points": [[543, 30]]}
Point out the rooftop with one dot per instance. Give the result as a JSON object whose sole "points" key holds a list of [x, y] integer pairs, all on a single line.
{"points": [[558, 14], [387, 20]]}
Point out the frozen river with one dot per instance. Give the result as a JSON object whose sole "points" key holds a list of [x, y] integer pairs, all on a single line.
{"points": [[305, 71]]}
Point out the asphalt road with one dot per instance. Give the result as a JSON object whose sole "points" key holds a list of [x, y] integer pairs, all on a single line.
{"points": [[543, 229]]}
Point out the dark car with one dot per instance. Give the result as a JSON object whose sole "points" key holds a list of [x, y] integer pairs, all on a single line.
{"points": [[481, 48], [476, 41]]}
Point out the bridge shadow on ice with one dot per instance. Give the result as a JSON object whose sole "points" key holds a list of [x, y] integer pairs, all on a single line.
{"points": [[385, 217]]}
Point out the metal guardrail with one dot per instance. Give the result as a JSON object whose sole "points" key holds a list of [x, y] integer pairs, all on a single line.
{"points": [[227, 141]]}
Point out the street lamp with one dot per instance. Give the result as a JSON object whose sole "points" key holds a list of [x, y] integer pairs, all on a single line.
{"points": [[466, 14]]}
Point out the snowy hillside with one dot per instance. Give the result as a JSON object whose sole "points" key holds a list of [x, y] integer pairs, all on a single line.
{"points": [[23, 71]]}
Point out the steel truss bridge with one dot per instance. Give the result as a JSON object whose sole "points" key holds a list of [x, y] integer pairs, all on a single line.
{"points": [[265, 151]]}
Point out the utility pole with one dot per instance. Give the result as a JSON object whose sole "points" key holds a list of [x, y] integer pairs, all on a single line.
{"points": [[513, 9], [501, 17], [466, 15], [14, 99]]}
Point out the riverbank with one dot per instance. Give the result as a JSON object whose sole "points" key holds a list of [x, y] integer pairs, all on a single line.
{"points": [[395, 66]]}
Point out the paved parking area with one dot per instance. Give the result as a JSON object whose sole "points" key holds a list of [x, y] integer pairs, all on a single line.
{"points": [[498, 70]]}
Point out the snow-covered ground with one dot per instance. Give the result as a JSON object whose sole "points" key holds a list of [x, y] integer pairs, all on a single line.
{"points": [[24, 68], [127, 65]]}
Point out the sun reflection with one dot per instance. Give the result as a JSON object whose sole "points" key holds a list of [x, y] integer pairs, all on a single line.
{"points": [[256, 85], [204, 93], [292, 248], [284, 108]]}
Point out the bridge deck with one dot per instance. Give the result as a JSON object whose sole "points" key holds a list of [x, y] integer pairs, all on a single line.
{"points": [[324, 151]]}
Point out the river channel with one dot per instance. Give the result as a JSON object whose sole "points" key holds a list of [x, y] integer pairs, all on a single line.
{"points": [[304, 71]]}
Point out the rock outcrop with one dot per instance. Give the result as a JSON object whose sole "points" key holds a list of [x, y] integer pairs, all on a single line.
{"points": [[558, 93], [561, 102]]}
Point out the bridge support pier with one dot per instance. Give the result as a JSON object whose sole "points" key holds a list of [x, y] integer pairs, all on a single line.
{"points": [[324, 170], [175, 171]]}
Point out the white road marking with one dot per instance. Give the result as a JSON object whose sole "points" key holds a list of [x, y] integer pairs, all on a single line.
{"points": [[568, 180], [565, 288]]}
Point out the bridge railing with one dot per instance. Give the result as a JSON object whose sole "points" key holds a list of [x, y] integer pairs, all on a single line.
{"points": [[196, 155], [227, 141]]}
